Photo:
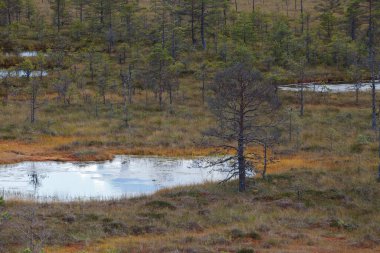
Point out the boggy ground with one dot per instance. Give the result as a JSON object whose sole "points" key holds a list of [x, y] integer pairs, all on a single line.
{"points": [[322, 195], [297, 211], [333, 126]]}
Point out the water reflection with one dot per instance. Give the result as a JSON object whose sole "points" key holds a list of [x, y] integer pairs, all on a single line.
{"points": [[332, 88], [20, 73], [28, 54], [24, 54], [124, 176]]}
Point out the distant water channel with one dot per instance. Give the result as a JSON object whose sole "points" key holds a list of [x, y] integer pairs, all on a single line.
{"points": [[24, 54], [4, 73], [330, 88], [11, 73], [125, 176]]}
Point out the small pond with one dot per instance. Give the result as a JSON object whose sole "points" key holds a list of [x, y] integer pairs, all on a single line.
{"points": [[20, 73], [24, 54], [28, 54], [125, 176], [332, 88]]}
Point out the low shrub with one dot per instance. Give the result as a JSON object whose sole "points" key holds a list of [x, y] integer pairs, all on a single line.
{"points": [[160, 204], [245, 250]]}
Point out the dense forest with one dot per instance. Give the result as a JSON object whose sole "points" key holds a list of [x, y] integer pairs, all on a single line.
{"points": [[124, 59], [98, 47], [85, 80], [190, 34]]}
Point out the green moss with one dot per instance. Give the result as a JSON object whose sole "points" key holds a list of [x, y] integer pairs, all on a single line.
{"points": [[160, 204], [153, 215], [246, 250]]}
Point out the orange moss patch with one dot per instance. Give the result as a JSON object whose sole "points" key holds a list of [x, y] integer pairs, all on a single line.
{"points": [[40, 150], [160, 151], [152, 243], [308, 161], [47, 149]]}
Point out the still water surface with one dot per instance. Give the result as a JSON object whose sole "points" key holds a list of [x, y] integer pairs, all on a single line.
{"points": [[24, 54], [123, 176], [20, 73], [330, 88]]}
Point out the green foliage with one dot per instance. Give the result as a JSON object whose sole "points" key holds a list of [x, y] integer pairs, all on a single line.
{"points": [[245, 250], [254, 235], [159, 204], [338, 223], [27, 66], [172, 32], [280, 39], [242, 31], [159, 55], [241, 54], [236, 233], [60, 11], [28, 250], [363, 139], [327, 25]]}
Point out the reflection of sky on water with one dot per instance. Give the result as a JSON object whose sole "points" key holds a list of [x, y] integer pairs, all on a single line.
{"points": [[333, 88], [28, 54], [124, 176], [24, 54], [20, 73]]}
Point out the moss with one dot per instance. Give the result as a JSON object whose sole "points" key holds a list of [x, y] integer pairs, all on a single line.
{"points": [[339, 223], [91, 217], [160, 204], [356, 148], [284, 176], [153, 215], [236, 233], [246, 250], [253, 235], [332, 194], [177, 194], [115, 227], [83, 154]]}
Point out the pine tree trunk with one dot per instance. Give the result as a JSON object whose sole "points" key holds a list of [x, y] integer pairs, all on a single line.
{"points": [[192, 23], [302, 102], [302, 21], [59, 15], [372, 64], [203, 25], [241, 141], [81, 12], [265, 160], [241, 164]]}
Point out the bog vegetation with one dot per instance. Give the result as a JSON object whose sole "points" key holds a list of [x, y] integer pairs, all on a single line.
{"points": [[84, 80]]}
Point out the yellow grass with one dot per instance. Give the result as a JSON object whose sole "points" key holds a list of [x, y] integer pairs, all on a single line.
{"points": [[149, 243]]}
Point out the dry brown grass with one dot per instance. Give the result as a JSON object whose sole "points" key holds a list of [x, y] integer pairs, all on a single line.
{"points": [[62, 132], [150, 243], [267, 6], [334, 174], [298, 211], [44, 9]]}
